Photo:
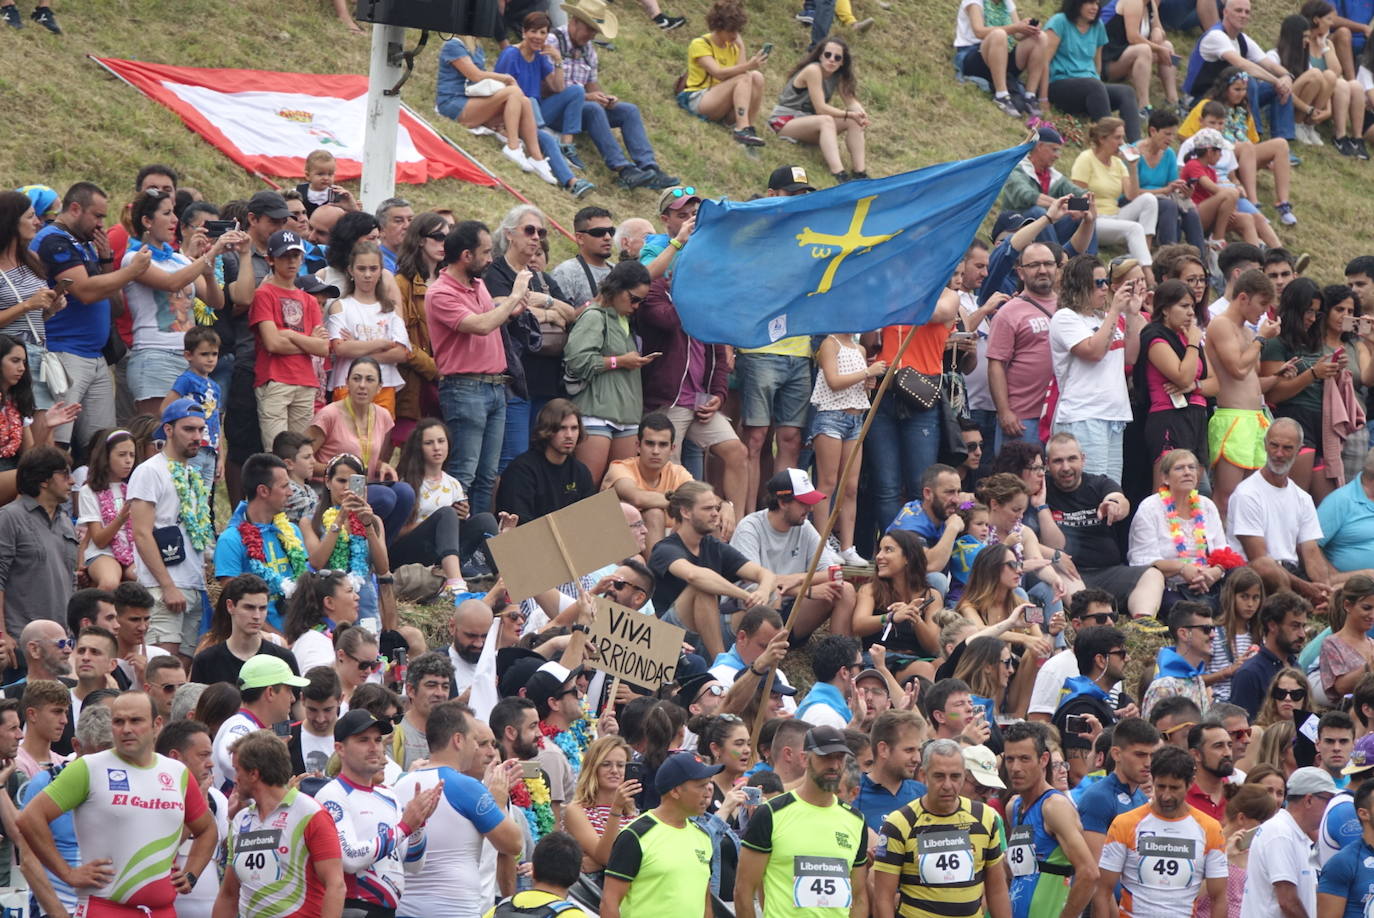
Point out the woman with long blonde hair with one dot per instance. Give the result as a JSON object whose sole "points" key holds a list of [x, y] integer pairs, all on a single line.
{"points": [[603, 801]]}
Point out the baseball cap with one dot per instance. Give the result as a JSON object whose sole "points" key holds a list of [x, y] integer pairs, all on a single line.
{"points": [[1309, 780], [982, 764], [1359, 761], [796, 484], [313, 285], [548, 680], [1209, 139], [182, 408], [689, 689], [1048, 134], [355, 722], [675, 197], [283, 241], [1009, 221], [871, 673], [265, 670], [824, 740], [516, 676], [680, 767], [789, 178], [268, 204], [780, 685]]}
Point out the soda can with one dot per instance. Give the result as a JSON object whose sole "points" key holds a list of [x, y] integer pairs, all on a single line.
{"points": [[836, 573]]}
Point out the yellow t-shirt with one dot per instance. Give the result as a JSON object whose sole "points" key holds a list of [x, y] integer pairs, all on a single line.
{"points": [[796, 346], [701, 46], [1105, 182]]}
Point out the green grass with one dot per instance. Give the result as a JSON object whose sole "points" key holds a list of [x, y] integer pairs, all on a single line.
{"points": [[70, 120]]}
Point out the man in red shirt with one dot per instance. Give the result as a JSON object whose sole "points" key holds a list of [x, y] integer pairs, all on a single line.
{"points": [[1210, 744], [465, 336]]}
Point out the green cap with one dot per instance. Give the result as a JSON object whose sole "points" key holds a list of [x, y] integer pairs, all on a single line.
{"points": [[265, 670]]}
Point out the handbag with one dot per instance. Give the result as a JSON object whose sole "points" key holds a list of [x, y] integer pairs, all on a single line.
{"points": [[552, 336], [917, 390], [170, 545], [483, 88], [48, 367]]}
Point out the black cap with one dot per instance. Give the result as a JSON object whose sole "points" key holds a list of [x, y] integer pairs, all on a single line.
{"points": [[824, 741], [689, 689], [313, 285], [355, 722], [789, 179], [268, 204], [1009, 221], [779, 687], [518, 675]]}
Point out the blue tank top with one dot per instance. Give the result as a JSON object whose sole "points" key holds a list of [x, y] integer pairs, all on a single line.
{"points": [[1038, 865]]}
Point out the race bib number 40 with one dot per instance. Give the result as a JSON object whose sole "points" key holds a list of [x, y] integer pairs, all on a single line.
{"points": [[945, 858], [1021, 851], [820, 882], [255, 856], [1166, 863]]}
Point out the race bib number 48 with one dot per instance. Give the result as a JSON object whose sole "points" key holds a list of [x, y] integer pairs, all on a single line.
{"points": [[1166, 863], [945, 858], [1021, 851], [820, 882]]}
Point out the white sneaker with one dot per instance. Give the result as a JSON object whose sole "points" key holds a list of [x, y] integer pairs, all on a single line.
{"points": [[852, 557], [517, 156], [1316, 138], [541, 168]]}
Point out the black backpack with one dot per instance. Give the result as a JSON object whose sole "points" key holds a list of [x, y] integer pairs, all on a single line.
{"points": [[508, 909]]}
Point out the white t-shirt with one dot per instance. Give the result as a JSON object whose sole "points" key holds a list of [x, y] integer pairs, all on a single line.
{"points": [[976, 383], [1049, 682], [823, 715], [1366, 78], [447, 884], [314, 648], [1279, 852], [88, 513], [316, 750], [444, 491], [200, 901], [963, 31], [1088, 389], [152, 482], [365, 322], [1216, 42], [1285, 517], [239, 724], [161, 319], [464, 673]]}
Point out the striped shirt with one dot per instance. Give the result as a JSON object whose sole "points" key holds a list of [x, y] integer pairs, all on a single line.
{"points": [[939, 860]]}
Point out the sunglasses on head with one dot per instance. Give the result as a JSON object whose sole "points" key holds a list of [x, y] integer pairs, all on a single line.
{"points": [[531, 230], [599, 232], [1284, 694], [687, 192]]}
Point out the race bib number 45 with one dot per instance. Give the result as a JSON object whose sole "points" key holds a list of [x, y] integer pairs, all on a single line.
{"points": [[1166, 863], [820, 882], [945, 858]]}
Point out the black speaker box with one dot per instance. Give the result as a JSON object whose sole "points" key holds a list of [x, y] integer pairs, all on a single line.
{"points": [[451, 17]]}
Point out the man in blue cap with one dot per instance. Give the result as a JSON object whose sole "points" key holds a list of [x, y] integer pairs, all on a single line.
{"points": [[663, 857], [169, 506]]}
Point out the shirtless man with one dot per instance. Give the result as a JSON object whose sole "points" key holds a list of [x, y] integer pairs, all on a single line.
{"points": [[1235, 434]]}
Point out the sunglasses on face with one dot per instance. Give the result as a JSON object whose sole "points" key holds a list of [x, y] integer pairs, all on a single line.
{"points": [[1100, 282], [1013, 564], [832, 56], [1240, 734], [1009, 662], [599, 232], [366, 666], [63, 643], [1120, 652], [531, 230], [1172, 730], [1101, 618], [1283, 694], [437, 237], [635, 300], [1205, 629], [167, 687], [625, 584]]}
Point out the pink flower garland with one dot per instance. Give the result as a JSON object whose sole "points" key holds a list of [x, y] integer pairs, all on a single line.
{"points": [[122, 546]]}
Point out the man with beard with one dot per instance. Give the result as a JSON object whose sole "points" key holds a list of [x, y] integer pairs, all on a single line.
{"points": [[1087, 507], [1052, 868], [1101, 654], [942, 852], [807, 848], [547, 477], [891, 782], [1165, 853], [1273, 522], [515, 722], [1019, 365], [1210, 746], [166, 495], [1179, 668], [37, 545], [468, 626], [934, 520], [1133, 743], [1283, 621]]}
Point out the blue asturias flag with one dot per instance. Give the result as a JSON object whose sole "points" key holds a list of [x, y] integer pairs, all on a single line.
{"points": [[853, 258]]}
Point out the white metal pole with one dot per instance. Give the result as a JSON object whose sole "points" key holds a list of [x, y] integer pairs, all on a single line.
{"points": [[383, 115]]}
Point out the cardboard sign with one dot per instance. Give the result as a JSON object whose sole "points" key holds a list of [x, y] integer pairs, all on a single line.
{"points": [[637, 647], [593, 534]]}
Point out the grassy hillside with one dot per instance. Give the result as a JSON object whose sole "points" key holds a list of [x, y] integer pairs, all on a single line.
{"points": [[70, 120]]}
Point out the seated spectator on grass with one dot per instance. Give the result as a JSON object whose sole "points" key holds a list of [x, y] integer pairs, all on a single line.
{"points": [[722, 82], [1035, 184], [1214, 204], [603, 113], [547, 477], [804, 112], [1346, 653], [1157, 171], [1176, 507], [1226, 45], [992, 44], [1136, 50], [1307, 52], [1283, 624], [460, 65], [1346, 517], [1247, 221], [1075, 36], [646, 479], [1111, 179]]}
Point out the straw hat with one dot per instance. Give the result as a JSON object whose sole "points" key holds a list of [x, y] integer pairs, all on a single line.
{"points": [[595, 14]]}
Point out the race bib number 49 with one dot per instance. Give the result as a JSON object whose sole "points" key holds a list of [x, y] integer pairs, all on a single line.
{"points": [[820, 882], [1166, 863], [945, 858]]}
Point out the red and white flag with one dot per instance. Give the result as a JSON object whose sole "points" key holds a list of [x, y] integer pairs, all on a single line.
{"points": [[268, 122]]}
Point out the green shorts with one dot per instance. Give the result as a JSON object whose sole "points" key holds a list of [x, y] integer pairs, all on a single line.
{"points": [[1237, 436]]}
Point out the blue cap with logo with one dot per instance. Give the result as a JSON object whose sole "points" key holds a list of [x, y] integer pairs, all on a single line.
{"points": [[681, 767]]}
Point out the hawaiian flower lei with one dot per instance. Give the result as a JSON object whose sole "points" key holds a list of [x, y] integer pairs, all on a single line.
{"points": [[572, 741], [350, 549], [122, 547], [1199, 524], [278, 584], [532, 796], [194, 498]]}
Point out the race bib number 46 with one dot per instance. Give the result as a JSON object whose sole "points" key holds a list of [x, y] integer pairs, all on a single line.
{"points": [[820, 882], [945, 858], [1166, 863]]}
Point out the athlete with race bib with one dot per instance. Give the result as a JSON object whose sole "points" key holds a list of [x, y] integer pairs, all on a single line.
{"points": [[1163, 854], [1052, 869], [1346, 886], [806, 847]]}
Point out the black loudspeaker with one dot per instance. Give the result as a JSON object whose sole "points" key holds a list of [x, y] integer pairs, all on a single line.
{"points": [[451, 17]]}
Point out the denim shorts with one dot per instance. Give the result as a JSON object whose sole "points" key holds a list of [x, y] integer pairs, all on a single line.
{"points": [[152, 372], [600, 427], [838, 424], [774, 389], [689, 100]]}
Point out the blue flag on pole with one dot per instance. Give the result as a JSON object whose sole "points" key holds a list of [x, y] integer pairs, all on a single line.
{"points": [[853, 258]]}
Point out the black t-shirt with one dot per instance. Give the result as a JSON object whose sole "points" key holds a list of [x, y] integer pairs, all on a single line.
{"points": [[1089, 540], [715, 555], [543, 374], [218, 663], [532, 486]]}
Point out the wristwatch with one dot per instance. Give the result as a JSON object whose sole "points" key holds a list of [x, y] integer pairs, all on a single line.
{"points": [[1057, 555], [191, 875]]}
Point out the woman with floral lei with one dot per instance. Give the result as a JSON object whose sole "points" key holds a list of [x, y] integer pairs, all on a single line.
{"points": [[350, 534], [1180, 532], [261, 540], [21, 426], [107, 547], [324, 602]]}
